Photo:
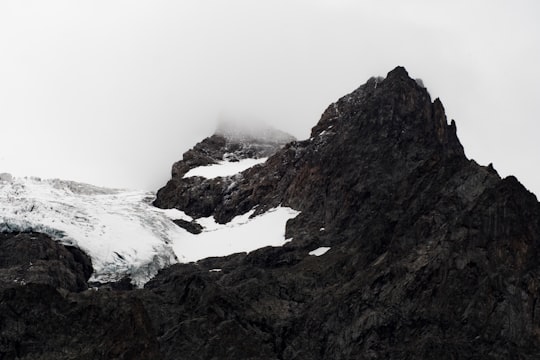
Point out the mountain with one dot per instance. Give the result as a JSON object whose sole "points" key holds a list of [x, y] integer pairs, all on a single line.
{"points": [[397, 247]]}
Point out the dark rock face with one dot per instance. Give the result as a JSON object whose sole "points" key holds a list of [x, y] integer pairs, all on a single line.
{"points": [[35, 258], [367, 140], [40, 322], [201, 197], [432, 255], [45, 314]]}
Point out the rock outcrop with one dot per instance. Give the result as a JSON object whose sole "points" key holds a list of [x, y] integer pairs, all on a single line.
{"points": [[431, 255], [229, 143], [35, 258], [47, 313]]}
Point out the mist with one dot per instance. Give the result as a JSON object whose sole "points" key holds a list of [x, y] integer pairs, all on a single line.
{"points": [[113, 92]]}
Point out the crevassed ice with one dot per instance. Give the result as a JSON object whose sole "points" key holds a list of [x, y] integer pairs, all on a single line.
{"points": [[122, 233], [118, 229]]}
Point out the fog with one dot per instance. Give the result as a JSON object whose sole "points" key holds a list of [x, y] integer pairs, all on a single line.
{"points": [[113, 92]]}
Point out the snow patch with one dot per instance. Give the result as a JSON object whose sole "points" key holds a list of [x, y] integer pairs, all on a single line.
{"points": [[319, 251], [224, 168], [241, 234]]}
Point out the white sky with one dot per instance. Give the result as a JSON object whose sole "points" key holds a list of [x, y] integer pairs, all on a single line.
{"points": [[113, 92]]}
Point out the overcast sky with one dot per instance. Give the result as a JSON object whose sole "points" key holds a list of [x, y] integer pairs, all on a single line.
{"points": [[113, 92]]}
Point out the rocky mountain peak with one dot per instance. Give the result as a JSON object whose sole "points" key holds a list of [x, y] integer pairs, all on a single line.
{"points": [[399, 73], [388, 128], [232, 142], [393, 110], [401, 248], [426, 246], [251, 132]]}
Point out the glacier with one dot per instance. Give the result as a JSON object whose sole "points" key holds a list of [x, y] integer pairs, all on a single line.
{"points": [[122, 232]]}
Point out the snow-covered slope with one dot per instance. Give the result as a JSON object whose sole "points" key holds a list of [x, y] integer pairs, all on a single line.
{"points": [[241, 234], [122, 233], [224, 168]]}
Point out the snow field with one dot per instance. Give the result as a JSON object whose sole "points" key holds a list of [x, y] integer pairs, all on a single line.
{"points": [[224, 168], [122, 233], [241, 234]]}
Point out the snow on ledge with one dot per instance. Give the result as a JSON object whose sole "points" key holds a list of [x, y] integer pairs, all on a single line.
{"points": [[241, 234], [224, 168], [320, 251]]}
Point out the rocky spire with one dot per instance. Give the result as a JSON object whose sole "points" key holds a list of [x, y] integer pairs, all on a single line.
{"points": [[397, 109]]}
